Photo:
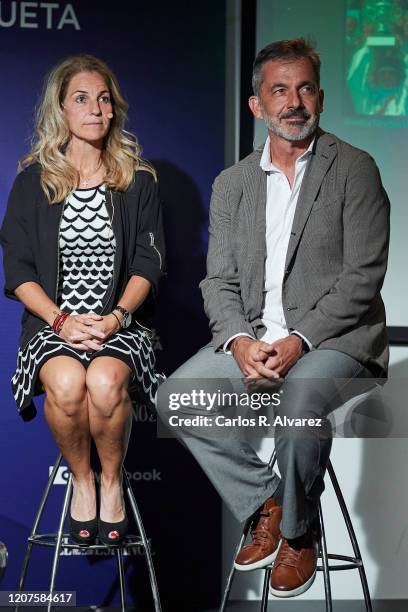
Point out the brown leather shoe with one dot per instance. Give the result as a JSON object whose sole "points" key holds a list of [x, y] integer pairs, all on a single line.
{"points": [[294, 569], [265, 539]]}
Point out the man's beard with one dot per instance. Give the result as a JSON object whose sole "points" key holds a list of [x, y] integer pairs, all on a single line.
{"points": [[304, 130]]}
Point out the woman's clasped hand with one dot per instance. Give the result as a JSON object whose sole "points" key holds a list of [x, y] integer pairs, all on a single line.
{"points": [[88, 332]]}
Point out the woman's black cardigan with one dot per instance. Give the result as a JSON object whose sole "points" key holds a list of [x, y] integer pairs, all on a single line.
{"points": [[30, 236]]}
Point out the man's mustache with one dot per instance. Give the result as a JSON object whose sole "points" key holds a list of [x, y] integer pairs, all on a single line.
{"points": [[303, 114]]}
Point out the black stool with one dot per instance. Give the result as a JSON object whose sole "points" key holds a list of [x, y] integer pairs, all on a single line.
{"points": [[325, 567], [57, 541]]}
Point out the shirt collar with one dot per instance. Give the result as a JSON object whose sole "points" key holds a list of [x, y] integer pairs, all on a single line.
{"points": [[268, 166]]}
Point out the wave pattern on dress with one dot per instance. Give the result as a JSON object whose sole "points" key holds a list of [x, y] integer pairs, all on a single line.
{"points": [[87, 249], [134, 344]]}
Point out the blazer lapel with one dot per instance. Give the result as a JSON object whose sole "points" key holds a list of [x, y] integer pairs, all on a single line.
{"points": [[320, 161]]}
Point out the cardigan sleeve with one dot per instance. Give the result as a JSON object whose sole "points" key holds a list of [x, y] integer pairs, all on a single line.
{"points": [[18, 259], [148, 257]]}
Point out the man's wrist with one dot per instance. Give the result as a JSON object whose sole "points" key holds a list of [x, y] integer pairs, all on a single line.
{"points": [[304, 345], [227, 345], [235, 342]]}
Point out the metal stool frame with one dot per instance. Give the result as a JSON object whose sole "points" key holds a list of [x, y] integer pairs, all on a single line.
{"points": [[355, 562], [55, 540]]}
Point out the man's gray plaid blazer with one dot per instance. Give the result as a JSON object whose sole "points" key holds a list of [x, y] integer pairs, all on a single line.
{"points": [[336, 259]]}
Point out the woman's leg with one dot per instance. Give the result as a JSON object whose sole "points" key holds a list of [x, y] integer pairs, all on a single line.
{"points": [[66, 412], [110, 420]]}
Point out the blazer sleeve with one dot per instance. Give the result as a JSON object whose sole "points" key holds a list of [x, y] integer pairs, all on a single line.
{"points": [[366, 232], [18, 258], [147, 259], [221, 287]]}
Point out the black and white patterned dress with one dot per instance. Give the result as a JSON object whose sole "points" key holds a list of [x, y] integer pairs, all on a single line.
{"points": [[86, 257]]}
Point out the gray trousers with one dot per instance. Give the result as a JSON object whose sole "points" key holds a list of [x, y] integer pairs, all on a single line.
{"points": [[310, 390]]}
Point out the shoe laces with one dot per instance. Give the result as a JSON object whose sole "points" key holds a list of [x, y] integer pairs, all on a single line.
{"points": [[259, 536], [261, 533], [287, 555]]}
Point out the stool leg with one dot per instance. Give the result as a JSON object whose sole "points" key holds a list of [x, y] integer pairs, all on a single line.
{"points": [[231, 575], [37, 522], [272, 460], [67, 498], [149, 560], [352, 535], [325, 563], [265, 590], [119, 556], [264, 602]]}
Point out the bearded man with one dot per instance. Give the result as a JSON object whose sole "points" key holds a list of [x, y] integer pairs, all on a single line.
{"points": [[297, 255]]}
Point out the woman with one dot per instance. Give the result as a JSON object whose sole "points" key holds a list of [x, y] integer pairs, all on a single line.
{"points": [[83, 251]]}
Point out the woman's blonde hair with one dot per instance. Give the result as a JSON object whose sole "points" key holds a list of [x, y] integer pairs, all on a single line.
{"points": [[121, 153]]}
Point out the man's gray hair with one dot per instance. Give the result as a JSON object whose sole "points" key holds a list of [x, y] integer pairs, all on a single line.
{"points": [[291, 50]]}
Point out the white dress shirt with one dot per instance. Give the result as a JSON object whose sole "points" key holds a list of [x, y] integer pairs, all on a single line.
{"points": [[281, 201]]}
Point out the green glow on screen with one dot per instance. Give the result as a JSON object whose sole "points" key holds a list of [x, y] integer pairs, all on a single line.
{"points": [[363, 45], [376, 57]]}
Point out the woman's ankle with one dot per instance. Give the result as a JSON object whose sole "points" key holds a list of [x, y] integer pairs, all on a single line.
{"points": [[112, 506], [112, 480], [83, 478]]}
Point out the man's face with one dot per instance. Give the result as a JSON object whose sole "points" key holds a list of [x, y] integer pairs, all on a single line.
{"points": [[289, 101]]}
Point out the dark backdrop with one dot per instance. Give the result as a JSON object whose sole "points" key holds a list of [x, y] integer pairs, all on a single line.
{"points": [[169, 59]]}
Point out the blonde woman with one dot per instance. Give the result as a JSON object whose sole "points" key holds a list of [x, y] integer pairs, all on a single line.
{"points": [[83, 251]]}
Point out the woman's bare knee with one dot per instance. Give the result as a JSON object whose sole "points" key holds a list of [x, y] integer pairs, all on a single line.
{"points": [[107, 382], [64, 381]]}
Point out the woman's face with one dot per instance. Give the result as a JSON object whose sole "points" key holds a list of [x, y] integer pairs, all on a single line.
{"points": [[87, 107]]}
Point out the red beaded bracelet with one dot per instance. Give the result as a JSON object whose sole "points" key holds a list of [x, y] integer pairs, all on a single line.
{"points": [[59, 321]]}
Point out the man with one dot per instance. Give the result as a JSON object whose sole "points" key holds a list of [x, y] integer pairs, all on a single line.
{"points": [[297, 256]]}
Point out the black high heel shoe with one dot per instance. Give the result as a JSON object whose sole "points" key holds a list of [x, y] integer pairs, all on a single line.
{"points": [[113, 533], [83, 532]]}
